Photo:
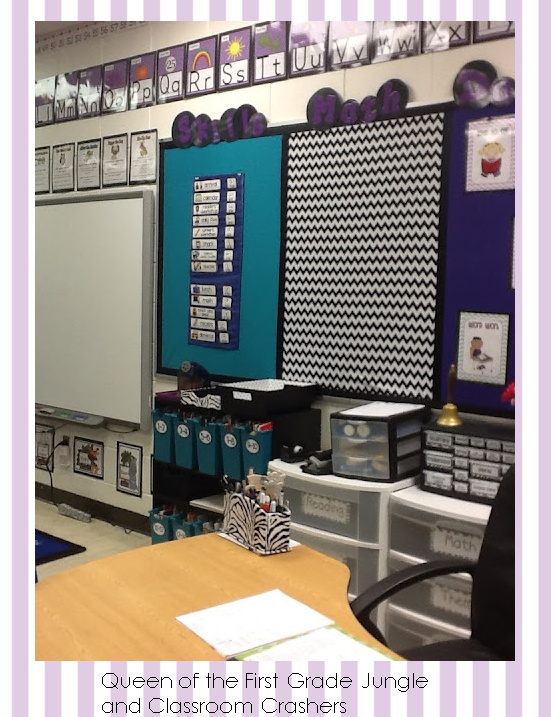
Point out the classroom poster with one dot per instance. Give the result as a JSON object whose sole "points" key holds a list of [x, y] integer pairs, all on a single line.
{"points": [[89, 92], [444, 35], [349, 44], [270, 52], [115, 87], [114, 160], [41, 170], [216, 260], [66, 92], [44, 95], [142, 81], [482, 347], [307, 47], [201, 67], [63, 167], [235, 59], [143, 157], [392, 40], [88, 164], [170, 74]]}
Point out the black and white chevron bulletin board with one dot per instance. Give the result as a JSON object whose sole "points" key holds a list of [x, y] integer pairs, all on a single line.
{"points": [[361, 257]]}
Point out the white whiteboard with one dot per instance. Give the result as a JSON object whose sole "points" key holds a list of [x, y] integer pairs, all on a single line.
{"points": [[93, 277]]}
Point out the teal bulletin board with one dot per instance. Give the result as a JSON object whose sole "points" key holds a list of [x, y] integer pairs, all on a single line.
{"points": [[259, 160]]}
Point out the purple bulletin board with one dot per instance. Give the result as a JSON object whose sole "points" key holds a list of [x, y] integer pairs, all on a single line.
{"points": [[478, 265]]}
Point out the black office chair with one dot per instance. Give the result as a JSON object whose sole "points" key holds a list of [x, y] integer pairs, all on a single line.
{"points": [[493, 591]]}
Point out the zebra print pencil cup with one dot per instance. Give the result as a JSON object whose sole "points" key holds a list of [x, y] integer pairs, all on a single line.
{"points": [[262, 532]]}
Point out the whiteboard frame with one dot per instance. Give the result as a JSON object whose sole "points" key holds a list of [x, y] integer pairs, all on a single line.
{"points": [[148, 235]]}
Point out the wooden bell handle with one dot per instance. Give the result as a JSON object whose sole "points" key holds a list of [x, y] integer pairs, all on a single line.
{"points": [[452, 378]]}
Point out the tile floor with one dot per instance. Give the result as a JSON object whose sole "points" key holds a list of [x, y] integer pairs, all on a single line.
{"points": [[99, 538]]}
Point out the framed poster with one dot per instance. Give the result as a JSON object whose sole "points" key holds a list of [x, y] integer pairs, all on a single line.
{"points": [[89, 92], [43, 447], [482, 347], [42, 170], [349, 44], [114, 97], [307, 47], [88, 457], [63, 167], [270, 46], [141, 89], [437, 36], [170, 74], [88, 164], [114, 161], [201, 64], [493, 30], [129, 469], [234, 59], [143, 157], [490, 164]]}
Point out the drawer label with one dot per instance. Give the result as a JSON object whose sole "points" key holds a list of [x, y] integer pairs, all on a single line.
{"points": [[485, 470], [320, 506], [438, 460], [438, 480], [455, 542], [451, 600], [438, 440], [483, 488]]}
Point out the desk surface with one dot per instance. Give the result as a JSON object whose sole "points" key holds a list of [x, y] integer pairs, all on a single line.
{"points": [[124, 607]]}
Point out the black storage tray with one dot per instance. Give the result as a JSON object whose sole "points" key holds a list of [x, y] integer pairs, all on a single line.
{"points": [[243, 399], [265, 398]]}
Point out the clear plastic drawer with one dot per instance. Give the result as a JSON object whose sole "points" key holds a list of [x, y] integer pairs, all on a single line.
{"points": [[446, 598], [361, 560], [405, 630], [431, 530]]}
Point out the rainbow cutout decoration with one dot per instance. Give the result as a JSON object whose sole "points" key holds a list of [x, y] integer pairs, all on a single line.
{"points": [[201, 55]]}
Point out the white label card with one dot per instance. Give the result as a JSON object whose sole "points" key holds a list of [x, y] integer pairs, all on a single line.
{"points": [[455, 542]]}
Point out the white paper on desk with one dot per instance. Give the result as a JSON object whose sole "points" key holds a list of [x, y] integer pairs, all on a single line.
{"points": [[327, 643], [252, 622]]}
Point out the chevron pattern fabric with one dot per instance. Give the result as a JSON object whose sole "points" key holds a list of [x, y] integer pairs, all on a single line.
{"points": [[361, 257]]}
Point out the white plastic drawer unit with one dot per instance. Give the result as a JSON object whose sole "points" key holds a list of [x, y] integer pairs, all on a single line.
{"points": [[379, 441], [429, 526], [348, 507], [446, 598], [362, 560], [405, 629]]}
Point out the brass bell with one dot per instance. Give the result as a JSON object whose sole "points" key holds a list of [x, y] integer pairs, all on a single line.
{"points": [[449, 415]]}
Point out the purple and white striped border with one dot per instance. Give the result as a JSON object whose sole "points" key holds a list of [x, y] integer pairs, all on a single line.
{"points": [[456, 689]]}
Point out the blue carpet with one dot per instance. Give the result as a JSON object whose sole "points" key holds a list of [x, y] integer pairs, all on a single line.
{"points": [[48, 548]]}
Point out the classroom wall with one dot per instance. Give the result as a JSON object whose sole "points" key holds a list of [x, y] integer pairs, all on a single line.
{"points": [[429, 78]]}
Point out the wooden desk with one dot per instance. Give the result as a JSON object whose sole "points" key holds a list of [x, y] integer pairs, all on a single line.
{"points": [[124, 607]]}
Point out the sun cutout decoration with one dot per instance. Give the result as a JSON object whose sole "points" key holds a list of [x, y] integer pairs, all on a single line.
{"points": [[235, 48]]}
